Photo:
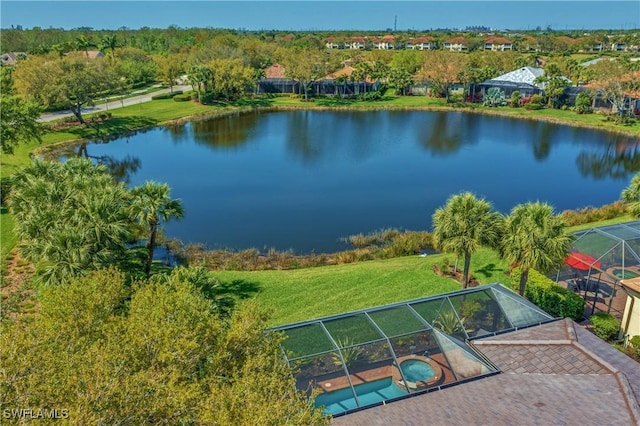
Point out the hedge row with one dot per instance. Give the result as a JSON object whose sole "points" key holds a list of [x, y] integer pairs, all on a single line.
{"points": [[168, 95], [549, 296]]}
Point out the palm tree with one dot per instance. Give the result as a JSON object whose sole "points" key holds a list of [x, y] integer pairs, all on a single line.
{"points": [[465, 224], [151, 205], [631, 196], [110, 42], [84, 44], [534, 239]]}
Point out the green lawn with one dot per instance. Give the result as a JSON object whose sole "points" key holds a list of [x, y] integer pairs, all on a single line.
{"points": [[7, 236], [301, 294]]}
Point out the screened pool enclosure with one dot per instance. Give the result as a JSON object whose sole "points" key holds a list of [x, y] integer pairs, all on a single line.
{"points": [[371, 356], [599, 259]]}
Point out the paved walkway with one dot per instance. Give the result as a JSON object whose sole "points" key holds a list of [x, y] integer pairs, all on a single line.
{"points": [[134, 100]]}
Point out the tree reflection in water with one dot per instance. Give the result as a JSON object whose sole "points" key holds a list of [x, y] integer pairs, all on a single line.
{"points": [[620, 160], [121, 169]]}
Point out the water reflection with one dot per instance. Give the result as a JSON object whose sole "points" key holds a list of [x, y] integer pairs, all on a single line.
{"points": [[618, 161], [301, 180], [121, 169], [445, 136], [225, 132]]}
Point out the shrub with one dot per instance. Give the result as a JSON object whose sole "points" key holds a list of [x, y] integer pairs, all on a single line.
{"points": [[161, 96], [532, 106], [376, 95], [514, 102], [549, 296], [593, 214], [182, 98], [536, 99], [207, 98], [635, 346], [583, 103], [494, 97], [605, 326]]}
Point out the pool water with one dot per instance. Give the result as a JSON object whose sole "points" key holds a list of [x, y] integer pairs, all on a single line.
{"points": [[417, 371], [623, 274], [368, 393]]}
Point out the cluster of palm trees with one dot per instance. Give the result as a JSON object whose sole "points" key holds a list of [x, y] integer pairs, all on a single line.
{"points": [[531, 236], [73, 217]]}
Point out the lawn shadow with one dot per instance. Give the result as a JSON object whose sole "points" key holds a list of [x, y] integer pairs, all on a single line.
{"points": [[112, 129], [241, 289], [245, 102], [487, 270], [333, 102]]}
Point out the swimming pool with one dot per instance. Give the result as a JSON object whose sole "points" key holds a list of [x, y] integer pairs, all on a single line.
{"points": [[368, 393], [624, 274]]}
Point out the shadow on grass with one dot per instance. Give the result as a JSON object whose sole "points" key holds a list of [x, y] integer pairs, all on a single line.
{"points": [[240, 289], [487, 270], [254, 103], [333, 102], [114, 128]]}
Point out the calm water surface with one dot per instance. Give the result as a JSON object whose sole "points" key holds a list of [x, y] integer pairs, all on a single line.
{"points": [[302, 180]]}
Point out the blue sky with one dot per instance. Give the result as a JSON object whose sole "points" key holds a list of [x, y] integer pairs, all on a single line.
{"points": [[323, 15]]}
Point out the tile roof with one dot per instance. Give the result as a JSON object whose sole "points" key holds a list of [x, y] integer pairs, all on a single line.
{"points": [[274, 71], [553, 374]]}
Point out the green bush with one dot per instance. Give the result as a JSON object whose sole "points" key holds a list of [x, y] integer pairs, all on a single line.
{"points": [[605, 325], [376, 95], [549, 296], [635, 346], [182, 98], [207, 98], [536, 99], [514, 102], [166, 95], [532, 106], [494, 97], [161, 96], [594, 214]]}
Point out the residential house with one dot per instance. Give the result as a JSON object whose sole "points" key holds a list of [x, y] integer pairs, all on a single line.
{"points": [[356, 43], [11, 58], [94, 54], [618, 47], [497, 44], [387, 42], [275, 81], [334, 43], [456, 44], [421, 43], [522, 80]]}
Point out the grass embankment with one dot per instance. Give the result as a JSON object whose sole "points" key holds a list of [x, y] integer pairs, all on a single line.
{"points": [[301, 294]]}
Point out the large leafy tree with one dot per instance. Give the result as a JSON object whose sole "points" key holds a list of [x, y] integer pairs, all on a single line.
{"points": [[442, 69], [149, 353], [304, 64], [18, 122], [150, 206], [465, 224], [73, 81], [631, 196], [534, 238], [70, 218]]}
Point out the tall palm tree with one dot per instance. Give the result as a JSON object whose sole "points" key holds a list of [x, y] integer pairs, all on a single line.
{"points": [[110, 42], [150, 206], [465, 224], [84, 43], [631, 196], [534, 239]]}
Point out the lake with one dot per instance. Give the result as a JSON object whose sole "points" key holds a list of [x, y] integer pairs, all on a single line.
{"points": [[302, 180]]}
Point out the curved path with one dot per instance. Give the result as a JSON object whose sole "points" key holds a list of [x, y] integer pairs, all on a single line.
{"points": [[134, 100]]}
